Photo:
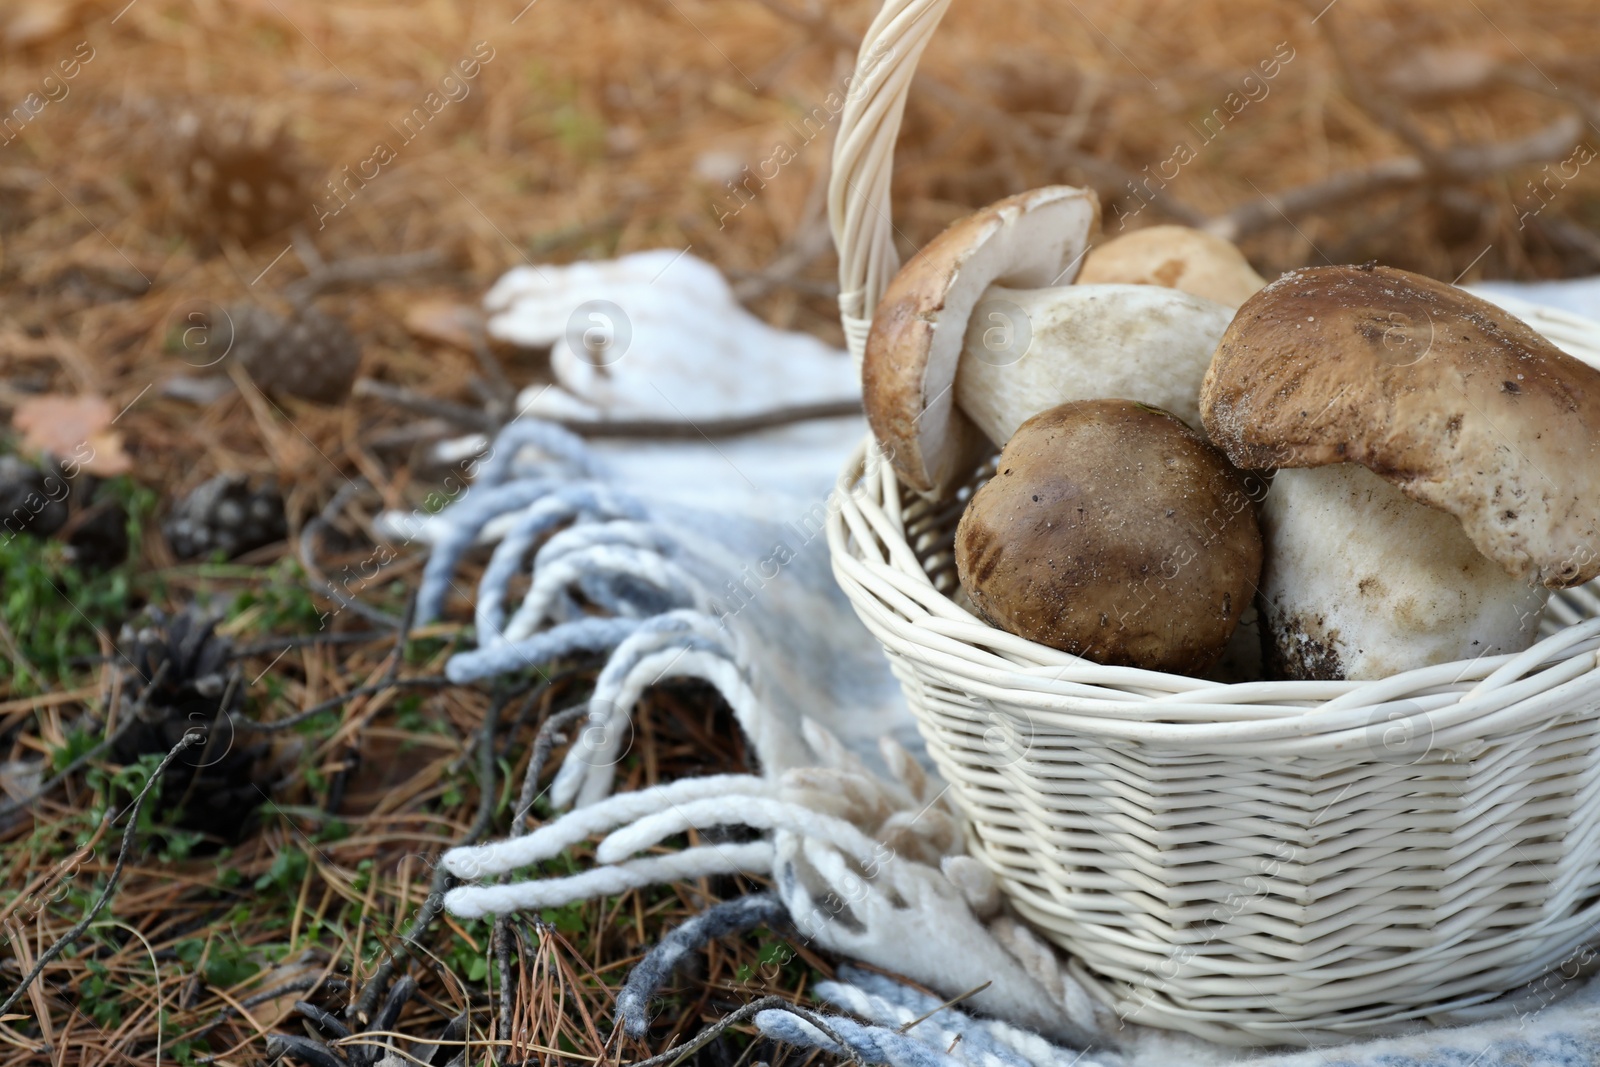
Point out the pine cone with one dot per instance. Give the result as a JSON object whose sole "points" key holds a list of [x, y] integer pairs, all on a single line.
{"points": [[309, 353], [31, 500], [225, 515], [97, 535], [42, 502], [236, 176], [178, 682]]}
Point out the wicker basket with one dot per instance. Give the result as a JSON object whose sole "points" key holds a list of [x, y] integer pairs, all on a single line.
{"points": [[1271, 862]]}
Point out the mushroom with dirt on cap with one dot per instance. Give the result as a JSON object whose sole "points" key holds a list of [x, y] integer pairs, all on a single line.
{"points": [[1175, 257], [981, 330], [1113, 531], [1481, 438]]}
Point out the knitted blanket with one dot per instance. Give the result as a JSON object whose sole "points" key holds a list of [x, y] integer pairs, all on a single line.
{"points": [[706, 559]]}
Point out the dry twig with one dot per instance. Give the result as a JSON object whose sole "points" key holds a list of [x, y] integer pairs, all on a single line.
{"points": [[639, 429]]}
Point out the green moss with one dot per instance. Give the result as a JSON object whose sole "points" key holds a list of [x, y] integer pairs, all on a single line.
{"points": [[57, 612]]}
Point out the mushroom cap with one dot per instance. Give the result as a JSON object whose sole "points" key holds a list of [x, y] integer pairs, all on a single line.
{"points": [[1027, 241], [1458, 403], [1174, 257], [1113, 531]]}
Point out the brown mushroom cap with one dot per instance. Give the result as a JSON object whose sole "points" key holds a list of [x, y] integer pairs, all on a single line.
{"points": [[1113, 531], [1458, 403], [1176, 257], [908, 371]]}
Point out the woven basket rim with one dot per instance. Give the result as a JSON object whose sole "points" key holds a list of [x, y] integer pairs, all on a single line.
{"points": [[1458, 701]]}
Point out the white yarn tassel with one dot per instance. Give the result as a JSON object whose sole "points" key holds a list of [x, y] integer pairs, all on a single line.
{"points": [[486, 861], [552, 580], [474, 902], [589, 770], [747, 811]]}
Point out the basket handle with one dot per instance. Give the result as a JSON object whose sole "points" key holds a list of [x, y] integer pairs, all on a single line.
{"points": [[863, 159]]}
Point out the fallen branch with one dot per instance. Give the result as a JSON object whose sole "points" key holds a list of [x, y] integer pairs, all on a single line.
{"points": [[1340, 188], [1535, 82], [679, 1053], [298, 985], [536, 759], [362, 270], [639, 429], [1471, 162], [549, 682], [430, 681], [462, 415], [543, 742], [1564, 231], [1462, 163], [1455, 164], [273, 646], [310, 534], [809, 242]]}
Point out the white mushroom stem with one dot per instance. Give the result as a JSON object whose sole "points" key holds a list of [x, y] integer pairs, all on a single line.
{"points": [[1361, 582], [1027, 350]]}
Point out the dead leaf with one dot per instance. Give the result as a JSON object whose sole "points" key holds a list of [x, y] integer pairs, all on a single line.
{"points": [[76, 430], [445, 322]]}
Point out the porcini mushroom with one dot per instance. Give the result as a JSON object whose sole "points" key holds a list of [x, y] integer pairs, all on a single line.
{"points": [[1112, 531], [1176, 257], [982, 329], [1361, 582], [1458, 405]]}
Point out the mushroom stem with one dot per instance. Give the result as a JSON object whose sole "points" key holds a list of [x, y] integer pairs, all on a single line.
{"points": [[1027, 350], [1361, 582]]}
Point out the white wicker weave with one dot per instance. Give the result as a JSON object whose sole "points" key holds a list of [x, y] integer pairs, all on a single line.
{"points": [[1271, 862]]}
